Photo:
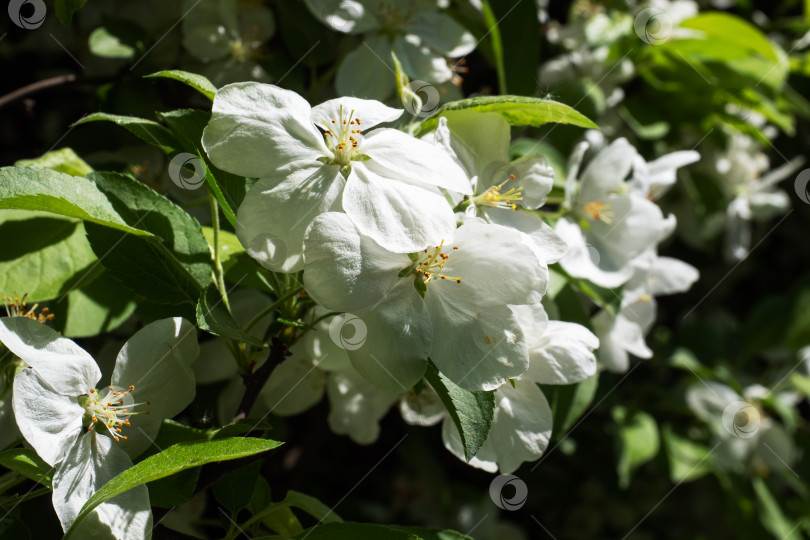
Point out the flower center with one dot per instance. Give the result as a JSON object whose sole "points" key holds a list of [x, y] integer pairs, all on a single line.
{"points": [[598, 210], [113, 407], [430, 264], [497, 199], [17, 307], [343, 137], [239, 50]]}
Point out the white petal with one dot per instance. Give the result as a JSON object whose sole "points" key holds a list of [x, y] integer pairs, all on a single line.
{"points": [[349, 16], [617, 337], [366, 71], [535, 177], [50, 422], [521, 428], [370, 112], [670, 276], [64, 366], [607, 170], [476, 349], [544, 241], [357, 407], [257, 129], [564, 355], [424, 409], [344, 270], [441, 33], [397, 155], [393, 353], [584, 260], [275, 238], [401, 217], [494, 265], [294, 386], [90, 463], [157, 362]]}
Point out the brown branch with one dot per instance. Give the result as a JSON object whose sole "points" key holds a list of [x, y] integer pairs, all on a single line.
{"points": [[255, 380], [36, 87]]}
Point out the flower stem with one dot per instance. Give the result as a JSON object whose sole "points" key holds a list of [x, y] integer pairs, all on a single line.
{"points": [[219, 275], [497, 44], [272, 307], [255, 381]]}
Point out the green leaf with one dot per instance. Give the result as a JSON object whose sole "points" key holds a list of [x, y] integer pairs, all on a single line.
{"points": [[173, 490], [187, 125], [517, 110], [174, 459], [637, 442], [27, 463], [197, 82], [96, 308], [235, 490], [471, 412], [173, 270], [66, 8], [569, 402], [355, 531], [771, 515], [148, 131], [722, 46], [214, 317], [103, 43], [31, 188], [42, 254], [64, 160], [688, 460]]}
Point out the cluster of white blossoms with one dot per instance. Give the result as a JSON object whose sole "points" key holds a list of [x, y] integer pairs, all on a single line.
{"points": [[435, 248], [89, 434]]}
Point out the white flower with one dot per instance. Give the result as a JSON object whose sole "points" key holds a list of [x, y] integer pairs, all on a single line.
{"points": [[411, 29], [463, 322], [72, 425], [227, 36], [753, 197], [560, 353], [385, 181], [501, 189], [748, 435], [623, 334], [609, 224]]}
